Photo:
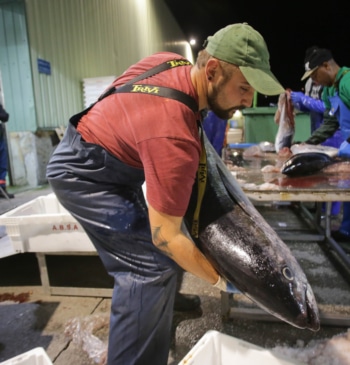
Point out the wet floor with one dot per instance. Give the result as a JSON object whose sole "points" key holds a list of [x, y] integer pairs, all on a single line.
{"points": [[50, 321]]}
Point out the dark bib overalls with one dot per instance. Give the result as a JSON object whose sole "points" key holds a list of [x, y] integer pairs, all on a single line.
{"points": [[105, 195]]}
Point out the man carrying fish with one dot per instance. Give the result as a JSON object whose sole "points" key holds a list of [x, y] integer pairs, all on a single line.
{"points": [[323, 69], [145, 128]]}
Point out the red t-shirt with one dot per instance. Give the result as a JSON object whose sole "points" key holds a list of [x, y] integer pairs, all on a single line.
{"points": [[154, 133]]}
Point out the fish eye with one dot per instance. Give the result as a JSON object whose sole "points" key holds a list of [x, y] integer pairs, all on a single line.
{"points": [[287, 273]]}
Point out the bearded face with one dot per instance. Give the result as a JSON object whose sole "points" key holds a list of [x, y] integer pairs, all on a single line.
{"points": [[229, 92]]}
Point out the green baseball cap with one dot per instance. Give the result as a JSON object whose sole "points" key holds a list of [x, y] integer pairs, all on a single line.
{"points": [[243, 46]]}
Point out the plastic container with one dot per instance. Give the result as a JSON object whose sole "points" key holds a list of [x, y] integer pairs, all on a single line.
{"points": [[259, 125], [215, 348], [43, 225], [234, 135], [241, 145], [37, 356]]}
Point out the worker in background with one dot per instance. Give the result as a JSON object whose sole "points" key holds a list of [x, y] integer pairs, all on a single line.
{"points": [[4, 117], [126, 138], [216, 130], [323, 69], [311, 102]]}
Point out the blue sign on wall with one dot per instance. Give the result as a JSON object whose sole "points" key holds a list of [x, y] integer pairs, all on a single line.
{"points": [[44, 67]]}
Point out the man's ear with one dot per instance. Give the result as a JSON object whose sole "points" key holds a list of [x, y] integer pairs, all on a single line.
{"points": [[212, 68], [327, 65]]}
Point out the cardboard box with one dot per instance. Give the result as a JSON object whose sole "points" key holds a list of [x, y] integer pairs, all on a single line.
{"points": [[43, 225], [215, 348], [37, 356]]}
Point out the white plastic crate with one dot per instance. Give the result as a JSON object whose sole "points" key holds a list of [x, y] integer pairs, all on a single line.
{"points": [[215, 348], [37, 356], [43, 225]]}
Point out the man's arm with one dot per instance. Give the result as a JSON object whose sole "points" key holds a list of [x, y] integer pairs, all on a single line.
{"points": [[306, 103], [326, 130], [173, 242]]}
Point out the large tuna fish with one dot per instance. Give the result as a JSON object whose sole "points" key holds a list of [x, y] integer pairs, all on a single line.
{"points": [[247, 251], [303, 164]]}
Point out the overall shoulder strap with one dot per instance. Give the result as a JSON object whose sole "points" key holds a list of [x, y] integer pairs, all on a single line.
{"points": [[151, 72], [165, 92]]}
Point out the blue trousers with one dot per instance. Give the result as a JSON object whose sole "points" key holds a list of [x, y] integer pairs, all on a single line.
{"points": [[106, 197], [3, 157], [345, 224]]}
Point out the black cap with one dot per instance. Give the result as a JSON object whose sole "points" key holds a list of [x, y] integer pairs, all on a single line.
{"points": [[314, 57]]}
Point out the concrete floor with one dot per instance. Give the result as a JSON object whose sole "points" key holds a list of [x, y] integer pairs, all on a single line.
{"points": [[52, 321]]}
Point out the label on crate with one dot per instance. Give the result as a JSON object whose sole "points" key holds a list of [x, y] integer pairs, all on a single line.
{"points": [[65, 227]]}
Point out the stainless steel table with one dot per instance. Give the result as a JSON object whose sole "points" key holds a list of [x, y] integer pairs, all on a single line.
{"points": [[276, 188]]}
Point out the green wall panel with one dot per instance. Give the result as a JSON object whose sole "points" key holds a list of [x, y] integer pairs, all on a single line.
{"points": [[15, 67]]}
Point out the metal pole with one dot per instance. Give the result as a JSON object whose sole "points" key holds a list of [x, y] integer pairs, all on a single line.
{"points": [[255, 99]]}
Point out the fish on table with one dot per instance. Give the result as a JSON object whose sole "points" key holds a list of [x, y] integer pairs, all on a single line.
{"points": [[340, 167], [308, 148], [305, 163], [284, 117], [308, 163], [245, 249]]}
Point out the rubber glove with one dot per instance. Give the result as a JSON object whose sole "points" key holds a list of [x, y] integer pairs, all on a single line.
{"points": [[315, 105], [306, 103], [226, 286], [296, 97], [344, 149]]}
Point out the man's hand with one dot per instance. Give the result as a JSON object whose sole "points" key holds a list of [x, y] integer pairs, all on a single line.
{"points": [[344, 149], [226, 286], [296, 97], [297, 100]]}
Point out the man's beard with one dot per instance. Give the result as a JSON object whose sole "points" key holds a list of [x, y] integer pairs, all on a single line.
{"points": [[216, 109]]}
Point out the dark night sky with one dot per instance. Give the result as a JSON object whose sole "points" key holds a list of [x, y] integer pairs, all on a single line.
{"points": [[288, 28]]}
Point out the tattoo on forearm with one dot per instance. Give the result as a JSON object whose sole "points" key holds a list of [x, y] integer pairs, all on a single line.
{"points": [[160, 242]]}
